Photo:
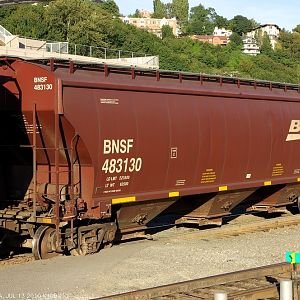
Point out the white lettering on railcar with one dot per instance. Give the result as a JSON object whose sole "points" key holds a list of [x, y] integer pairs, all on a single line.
{"points": [[117, 146], [180, 182], [174, 152], [29, 127], [40, 79], [120, 165], [43, 87], [41, 84], [109, 101], [294, 132], [112, 191]]}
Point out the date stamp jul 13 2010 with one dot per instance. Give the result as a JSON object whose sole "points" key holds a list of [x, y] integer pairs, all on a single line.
{"points": [[39, 296]]}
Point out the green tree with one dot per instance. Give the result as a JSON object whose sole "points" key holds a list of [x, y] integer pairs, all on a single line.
{"points": [[78, 21], [180, 9], [6, 11], [201, 20], [285, 39], [169, 10], [297, 28], [26, 20], [211, 15], [241, 24], [266, 47], [167, 32], [236, 39], [221, 22], [298, 72], [160, 10], [295, 49], [255, 24], [246, 64], [289, 44], [259, 37], [135, 15], [111, 7]]}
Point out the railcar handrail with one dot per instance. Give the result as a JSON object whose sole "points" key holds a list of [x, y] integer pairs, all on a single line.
{"points": [[134, 71], [176, 75]]}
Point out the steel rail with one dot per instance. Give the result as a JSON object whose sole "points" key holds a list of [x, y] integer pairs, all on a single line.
{"points": [[224, 231], [256, 283], [228, 230]]}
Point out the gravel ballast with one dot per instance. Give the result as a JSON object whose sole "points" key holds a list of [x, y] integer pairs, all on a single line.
{"points": [[137, 265]]}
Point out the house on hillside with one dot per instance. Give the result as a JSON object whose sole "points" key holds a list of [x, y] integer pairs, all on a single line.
{"points": [[220, 37], [250, 46], [211, 39], [222, 32], [272, 30], [144, 13], [153, 25]]}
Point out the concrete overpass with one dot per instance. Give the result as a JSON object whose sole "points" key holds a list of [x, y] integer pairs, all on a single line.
{"points": [[28, 49]]}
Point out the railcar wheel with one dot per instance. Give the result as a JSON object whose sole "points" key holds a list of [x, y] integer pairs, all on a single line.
{"points": [[43, 242], [298, 204]]}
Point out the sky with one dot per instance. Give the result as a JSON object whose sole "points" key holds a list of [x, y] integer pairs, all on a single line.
{"points": [[283, 13]]}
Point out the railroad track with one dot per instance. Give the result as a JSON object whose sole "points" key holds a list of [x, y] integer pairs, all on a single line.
{"points": [[225, 231], [257, 283], [229, 229]]}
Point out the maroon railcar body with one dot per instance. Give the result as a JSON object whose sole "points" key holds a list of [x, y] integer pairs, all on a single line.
{"points": [[123, 145]]}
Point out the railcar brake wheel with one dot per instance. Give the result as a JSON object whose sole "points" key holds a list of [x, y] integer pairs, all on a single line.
{"points": [[42, 243]]}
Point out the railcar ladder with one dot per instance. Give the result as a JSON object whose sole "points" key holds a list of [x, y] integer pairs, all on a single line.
{"points": [[57, 149]]}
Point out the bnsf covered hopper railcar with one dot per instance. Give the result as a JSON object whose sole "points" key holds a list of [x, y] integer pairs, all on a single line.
{"points": [[89, 154]]}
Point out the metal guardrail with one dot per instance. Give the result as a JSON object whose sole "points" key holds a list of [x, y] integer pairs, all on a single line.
{"points": [[139, 62], [101, 52], [30, 48], [27, 46], [76, 49]]}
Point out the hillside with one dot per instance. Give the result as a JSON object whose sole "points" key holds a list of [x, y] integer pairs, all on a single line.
{"points": [[87, 23]]}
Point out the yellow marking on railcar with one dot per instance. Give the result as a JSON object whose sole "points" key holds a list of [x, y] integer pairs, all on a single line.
{"points": [[268, 183], [209, 176], [298, 179], [277, 170], [46, 220], [123, 200], [223, 188], [173, 194]]}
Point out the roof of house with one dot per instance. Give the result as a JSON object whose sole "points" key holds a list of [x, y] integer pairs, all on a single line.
{"points": [[209, 37], [268, 24]]}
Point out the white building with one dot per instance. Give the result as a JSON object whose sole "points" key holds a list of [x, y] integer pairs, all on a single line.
{"points": [[272, 30], [250, 46], [222, 32]]}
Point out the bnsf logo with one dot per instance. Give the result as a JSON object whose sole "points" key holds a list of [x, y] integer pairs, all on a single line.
{"points": [[294, 132]]}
